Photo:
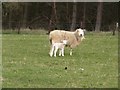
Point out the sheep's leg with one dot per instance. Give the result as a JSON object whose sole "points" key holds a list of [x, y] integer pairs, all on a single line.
{"points": [[51, 51], [71, 52], [62, 50], [55, 51]]}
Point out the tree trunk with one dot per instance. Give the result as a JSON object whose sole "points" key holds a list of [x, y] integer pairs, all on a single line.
{"points": [[19, 26], [10, 16], [68, 20], [84, 10], [74, 16], [53, 17], [24, 24], [55, 12], [1, 22], [99, 17]]}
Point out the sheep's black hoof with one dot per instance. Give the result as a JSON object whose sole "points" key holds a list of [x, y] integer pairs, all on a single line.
{"points": [[65, 68]]}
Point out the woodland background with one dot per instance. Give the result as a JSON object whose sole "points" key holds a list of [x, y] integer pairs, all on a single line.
{"points": [[93, 16]]}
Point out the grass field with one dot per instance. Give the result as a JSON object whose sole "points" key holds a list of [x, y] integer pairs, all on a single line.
{"points": [[26, 63]]}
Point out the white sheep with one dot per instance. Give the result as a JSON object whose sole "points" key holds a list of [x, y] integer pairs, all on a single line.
{"points": [[60, 46], [73, 38]]}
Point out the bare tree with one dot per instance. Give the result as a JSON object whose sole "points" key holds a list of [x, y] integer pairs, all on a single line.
{"points": [[24, 22], [53, 19], [84, 10], [55, 12], [0, 21], [10, 16], [67, 13], [82, 23], [74, 16], [19, 27], [99, 16]]}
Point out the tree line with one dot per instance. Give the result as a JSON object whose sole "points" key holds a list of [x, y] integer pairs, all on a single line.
{"points": [[93, 16]]}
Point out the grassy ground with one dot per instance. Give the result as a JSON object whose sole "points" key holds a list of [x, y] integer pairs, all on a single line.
{"points": [[26, 63]]}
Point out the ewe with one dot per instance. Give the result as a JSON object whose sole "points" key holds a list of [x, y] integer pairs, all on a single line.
{"points": [[73, 38]]}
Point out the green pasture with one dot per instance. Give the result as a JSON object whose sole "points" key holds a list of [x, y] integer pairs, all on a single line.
{"points": [[26, 63]]}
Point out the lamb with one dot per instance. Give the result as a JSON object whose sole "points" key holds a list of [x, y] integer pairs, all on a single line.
{"points": [[73, 38], [59, 46]]}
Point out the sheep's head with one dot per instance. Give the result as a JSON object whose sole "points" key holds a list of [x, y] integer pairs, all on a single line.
{"points": [[81, 32]]}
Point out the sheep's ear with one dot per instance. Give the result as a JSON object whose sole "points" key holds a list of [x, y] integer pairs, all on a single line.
{"points": [[77, 30]]}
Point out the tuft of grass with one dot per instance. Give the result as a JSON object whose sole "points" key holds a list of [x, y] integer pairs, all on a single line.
{"points": [[26, 62]]}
